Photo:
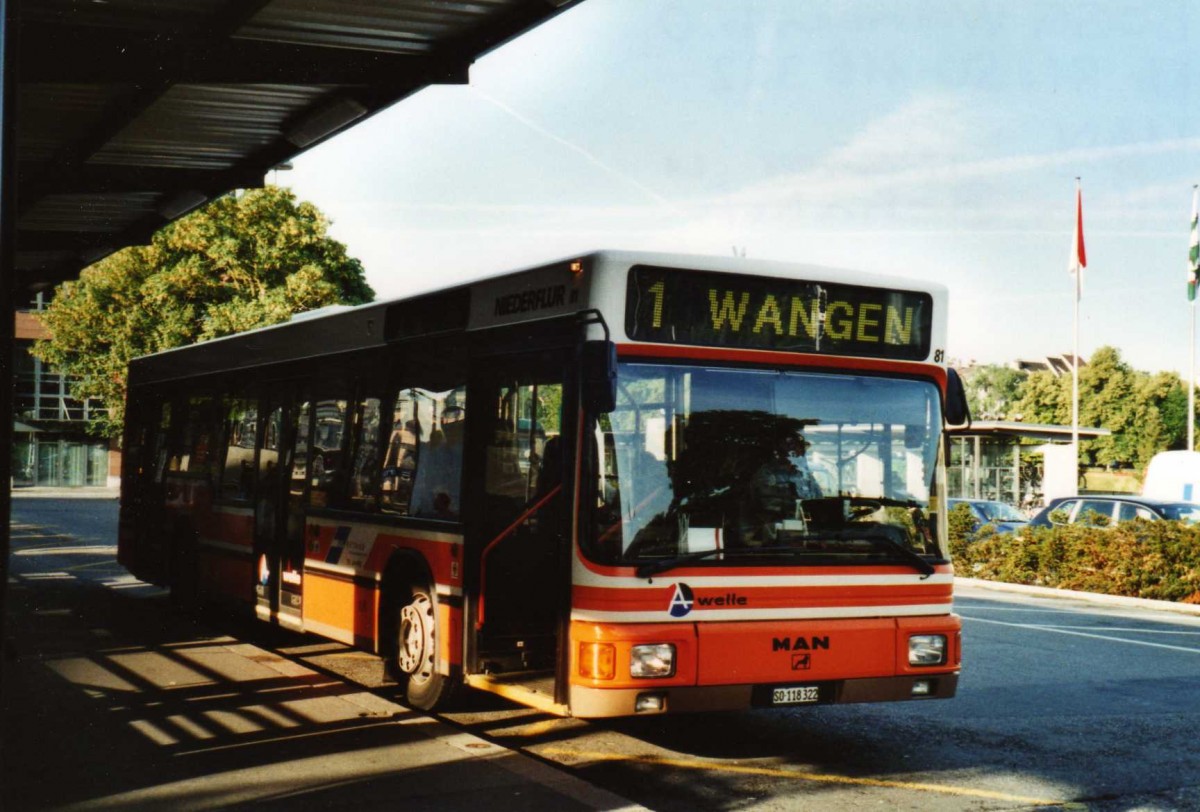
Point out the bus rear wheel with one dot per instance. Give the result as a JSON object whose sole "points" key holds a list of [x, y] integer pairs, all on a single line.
{"points": [[414, 662]]}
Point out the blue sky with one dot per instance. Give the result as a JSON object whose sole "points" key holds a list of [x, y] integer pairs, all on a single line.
{"points": [[936, 140]]}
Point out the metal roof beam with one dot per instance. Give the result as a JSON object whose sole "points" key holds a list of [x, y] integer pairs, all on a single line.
{"points": [[74, 241], [131, 56], [128, 105], [116, 179]]}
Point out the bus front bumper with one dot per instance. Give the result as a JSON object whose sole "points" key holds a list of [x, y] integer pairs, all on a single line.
{"points": [[594, 703]]}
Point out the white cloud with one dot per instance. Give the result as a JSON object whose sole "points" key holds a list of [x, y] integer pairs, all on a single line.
{"points": [[926, 145], [577, 149], [927, 130]]}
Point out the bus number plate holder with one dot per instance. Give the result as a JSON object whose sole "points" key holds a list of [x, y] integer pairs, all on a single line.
{"points": [[795, 695]]}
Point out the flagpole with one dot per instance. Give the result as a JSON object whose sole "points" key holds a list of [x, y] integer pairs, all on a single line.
{"points": [[1075, 386], [1075, 349], [1193, 266]]}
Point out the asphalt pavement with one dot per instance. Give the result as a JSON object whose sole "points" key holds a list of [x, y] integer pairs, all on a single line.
{"points": [[112, 700]]}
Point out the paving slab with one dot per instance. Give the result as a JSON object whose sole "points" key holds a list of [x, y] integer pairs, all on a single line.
{"points": [[111, 701]]}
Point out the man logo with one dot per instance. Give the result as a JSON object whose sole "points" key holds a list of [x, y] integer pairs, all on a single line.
{"points": [[681, 601]]}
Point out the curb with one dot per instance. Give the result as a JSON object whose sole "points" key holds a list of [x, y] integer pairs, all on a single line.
{"points": [[64, 493], [1085, 597]]}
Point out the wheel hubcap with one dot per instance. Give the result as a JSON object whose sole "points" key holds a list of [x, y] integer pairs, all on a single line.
{"points": [[416, 638]]}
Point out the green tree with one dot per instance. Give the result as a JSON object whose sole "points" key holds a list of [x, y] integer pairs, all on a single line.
{"points": [[1045, 399], [993, 390], [1169, 393], [245, 260], [1106, 399]]}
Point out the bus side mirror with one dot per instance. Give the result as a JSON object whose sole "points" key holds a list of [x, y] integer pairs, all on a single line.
{"points": [[599, 376], [958, 413]]}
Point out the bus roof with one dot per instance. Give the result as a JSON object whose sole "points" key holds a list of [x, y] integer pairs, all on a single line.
{"points": [[594, 281]]}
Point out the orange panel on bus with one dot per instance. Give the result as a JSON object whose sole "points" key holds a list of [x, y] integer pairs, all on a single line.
{"points": [[780, 651], [330, 601]]}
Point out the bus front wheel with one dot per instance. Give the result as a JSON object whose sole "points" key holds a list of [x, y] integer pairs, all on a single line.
{"points": [[413, 659]]}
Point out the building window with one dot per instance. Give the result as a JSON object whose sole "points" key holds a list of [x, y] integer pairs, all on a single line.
{"points": [[43, 394]]}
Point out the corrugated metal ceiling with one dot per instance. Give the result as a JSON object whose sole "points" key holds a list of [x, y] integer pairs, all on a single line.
{"points": [[130, 112]]}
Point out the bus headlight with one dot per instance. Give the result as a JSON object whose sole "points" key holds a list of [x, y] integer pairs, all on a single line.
{"points": [[927, 649], [653, 660]]}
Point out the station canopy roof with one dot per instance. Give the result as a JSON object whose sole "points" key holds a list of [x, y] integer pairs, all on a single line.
{"points": [[1027, 431], [130, 113]]}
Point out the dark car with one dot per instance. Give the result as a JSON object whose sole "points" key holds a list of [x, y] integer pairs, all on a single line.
{"points": [[1105, 511], [1000, 515]]}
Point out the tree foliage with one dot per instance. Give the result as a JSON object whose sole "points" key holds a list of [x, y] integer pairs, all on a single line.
{"points": [[245, 260], [993, 390], [1045, 399], [1106, 389], [1146, 413]]}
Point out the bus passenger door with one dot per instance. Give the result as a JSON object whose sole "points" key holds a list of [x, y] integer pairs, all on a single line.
{"points": [[143, 546], [517, 543], [278, 513]]}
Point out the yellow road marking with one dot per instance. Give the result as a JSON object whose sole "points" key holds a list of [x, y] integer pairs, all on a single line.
{"points": [[557, 752], [538, 728]]}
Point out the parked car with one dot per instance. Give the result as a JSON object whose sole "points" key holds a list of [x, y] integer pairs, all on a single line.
{"points": [[1105, 511], [1001, 515]]}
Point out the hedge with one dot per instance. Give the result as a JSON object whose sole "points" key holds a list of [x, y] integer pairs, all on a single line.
{"points": [[1139, 558]]}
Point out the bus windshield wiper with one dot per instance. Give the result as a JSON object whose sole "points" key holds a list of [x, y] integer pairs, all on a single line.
{"points": [[662, 565], [887, 542], [651, 568], [880, 540]]}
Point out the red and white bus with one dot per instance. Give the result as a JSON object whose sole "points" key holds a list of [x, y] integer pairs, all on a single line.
{"points": [[611, 485]]}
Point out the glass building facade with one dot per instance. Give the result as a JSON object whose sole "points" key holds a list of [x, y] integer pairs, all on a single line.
{"points": [[51, 444]]}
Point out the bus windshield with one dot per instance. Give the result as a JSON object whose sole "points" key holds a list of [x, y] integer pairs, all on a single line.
{"points": [[753, 466]]}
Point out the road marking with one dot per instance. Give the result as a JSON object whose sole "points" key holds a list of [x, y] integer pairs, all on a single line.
{"points": [[1096, 612], [69, 549], [1123, 629], [1053, 610], [1060, 630], [108, 562], [536, 728], [775, 772]]}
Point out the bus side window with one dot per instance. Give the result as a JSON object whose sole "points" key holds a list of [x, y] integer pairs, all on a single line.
{"points": [[328, 449], [298, 476], [422, 465], [400, 459], [438, 477], [241, 426], [160, 442], [196, 453], [365, 469]]}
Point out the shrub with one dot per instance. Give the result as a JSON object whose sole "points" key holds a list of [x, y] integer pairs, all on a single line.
{"points": [[1141, 559], [961, 525]]}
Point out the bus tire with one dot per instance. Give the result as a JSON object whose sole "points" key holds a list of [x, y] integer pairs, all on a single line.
{"points": [[410, 653]]}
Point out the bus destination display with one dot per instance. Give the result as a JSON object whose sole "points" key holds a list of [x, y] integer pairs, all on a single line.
{"points": [[673, 306]]}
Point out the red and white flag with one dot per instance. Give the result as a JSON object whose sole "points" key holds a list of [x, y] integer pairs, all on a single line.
{"points": [[1078, 254]]}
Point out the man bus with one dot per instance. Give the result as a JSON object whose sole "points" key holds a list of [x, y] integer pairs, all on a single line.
{"points": [[616, 484]]}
